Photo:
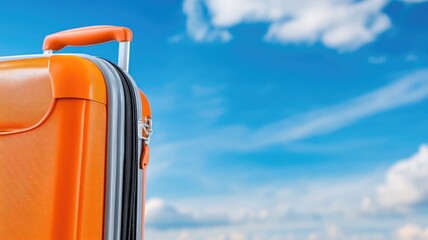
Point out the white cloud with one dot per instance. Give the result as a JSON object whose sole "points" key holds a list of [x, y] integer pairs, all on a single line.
{"points": [[161, 215], [334, 232], [197, 25], [412, 232], [264, 209], [313, 236], [317, 210], [405, 184], [343, 25], [321, 209]]}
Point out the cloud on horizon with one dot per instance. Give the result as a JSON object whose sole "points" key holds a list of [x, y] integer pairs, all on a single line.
{"points": [[404, 187], [412, 232], [161, 215], [307, 210]]}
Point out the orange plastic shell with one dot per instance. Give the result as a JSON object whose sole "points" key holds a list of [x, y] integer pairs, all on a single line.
{"points": [[25, 93], [52, 166], [145, 157], [76, 77], [144, 161], [29, 86], [86, 36], [145, 105]]}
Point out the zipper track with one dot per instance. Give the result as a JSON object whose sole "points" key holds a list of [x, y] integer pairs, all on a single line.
{"points": [[130, 168]]}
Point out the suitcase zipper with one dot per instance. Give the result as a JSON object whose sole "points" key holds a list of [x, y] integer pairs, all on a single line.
{"points": [[146, 128], [131, 161]]}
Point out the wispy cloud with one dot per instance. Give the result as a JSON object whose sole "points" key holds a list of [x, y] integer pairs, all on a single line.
{"points": [[409, 89]]}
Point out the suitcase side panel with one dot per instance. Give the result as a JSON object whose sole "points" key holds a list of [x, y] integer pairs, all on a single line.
{"points": [[53, 177], [52, 174], [93, 175]]}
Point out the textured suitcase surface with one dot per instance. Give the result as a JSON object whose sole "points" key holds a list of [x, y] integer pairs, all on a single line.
{"points": [[74, 131]]}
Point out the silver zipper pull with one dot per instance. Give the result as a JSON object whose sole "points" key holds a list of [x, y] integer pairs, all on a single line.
{"points": [[145, 129]]}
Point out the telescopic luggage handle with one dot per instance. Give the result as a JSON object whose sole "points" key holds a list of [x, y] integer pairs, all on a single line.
{"points": [[92, 35]]}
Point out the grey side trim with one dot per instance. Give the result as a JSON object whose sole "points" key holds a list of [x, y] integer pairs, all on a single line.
{"points": [[140, 171], [140, 203], [115, 149], [119, 160]]}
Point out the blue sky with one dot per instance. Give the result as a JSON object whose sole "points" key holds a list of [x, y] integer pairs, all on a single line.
{"points": [[273, 119]]}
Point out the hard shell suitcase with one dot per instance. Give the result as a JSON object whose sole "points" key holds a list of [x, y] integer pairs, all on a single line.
{"points": [[74, 134]]}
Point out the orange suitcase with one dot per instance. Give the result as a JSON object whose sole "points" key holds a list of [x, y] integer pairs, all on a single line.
{"points": [[74, 135]]}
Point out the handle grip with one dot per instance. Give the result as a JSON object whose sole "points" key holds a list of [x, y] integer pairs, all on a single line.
{"points": [[86, 36], [89, 36]]}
